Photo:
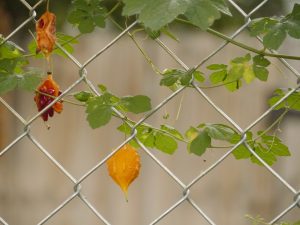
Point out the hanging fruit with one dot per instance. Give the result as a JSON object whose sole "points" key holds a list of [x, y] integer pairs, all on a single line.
{"points": [[51, 91], [45, 30], [124, 167]]}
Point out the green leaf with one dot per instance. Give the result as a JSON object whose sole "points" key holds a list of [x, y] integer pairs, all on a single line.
{"points": [[262, 25], [148, 139], [83, 96], [265, 155], [292, 102], [191, 133], [199, 76], [124, 128], [30, 80], [219, 131], [86, 25], [171, 76], [233, 86], [274, 30], [7, 83], [218, 76], [98, 112], [217, 67], [136, 104], [102, 88], [248, 74], [66, 41], [293, 22], [261, 72], [152, 34], [235, 72], [76, 16], [8, 65], [157, 13], [199, 145], [27, 81], [186, 78], [242, 152], [9, 50], [241, 60], [133, 7], [202, 13], [172, 131], [274, 38], [165, 143], [87, 14], [221, 6], [99, 21], [274, 144], [260, 60]]}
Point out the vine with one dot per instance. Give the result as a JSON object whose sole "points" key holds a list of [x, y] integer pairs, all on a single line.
{"points": [[153, 19]]}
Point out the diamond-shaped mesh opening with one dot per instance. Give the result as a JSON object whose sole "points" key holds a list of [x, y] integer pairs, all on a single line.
{"points": [[19, 175], [215, 194]]}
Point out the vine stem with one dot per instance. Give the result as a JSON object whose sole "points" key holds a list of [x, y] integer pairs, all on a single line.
{"points": [[241, 45], [146, 56], [150, 62], [277, 121], [48, 2], [113, 9]]}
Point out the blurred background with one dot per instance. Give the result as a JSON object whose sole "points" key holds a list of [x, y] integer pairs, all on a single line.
{"points": [[31, 186]]}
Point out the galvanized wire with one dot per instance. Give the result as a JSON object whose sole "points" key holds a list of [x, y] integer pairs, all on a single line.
{"points": [[186, 188]]}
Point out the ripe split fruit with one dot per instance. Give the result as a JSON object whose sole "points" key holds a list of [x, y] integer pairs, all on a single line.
{"points": [[45, 29], [124, 167], [47, 91]]}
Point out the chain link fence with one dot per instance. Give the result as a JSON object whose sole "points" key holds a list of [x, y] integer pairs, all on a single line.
{"points": [[185, 187]]}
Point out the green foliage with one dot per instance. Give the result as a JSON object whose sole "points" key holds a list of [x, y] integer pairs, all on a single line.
{"points": [[12, 70], [172, 77], [86, 15], [200, 143], [156, 14], [136, 104], [292, 102], [163, 139], [200, 139], [165, 143], [99, 109], [240, 67], [202, 13], [83, 96], [265, 146], [65, 40], [275, 30], [218, 131]]}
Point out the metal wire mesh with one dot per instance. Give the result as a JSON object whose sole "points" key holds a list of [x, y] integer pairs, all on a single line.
{"points": [[83, 77]]}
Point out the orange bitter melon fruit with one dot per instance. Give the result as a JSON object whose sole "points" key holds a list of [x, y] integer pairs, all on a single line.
{"points": [[124, 166]]}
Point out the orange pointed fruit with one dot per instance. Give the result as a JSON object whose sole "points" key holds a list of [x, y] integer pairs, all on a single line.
{"points": [[124, 167]]}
